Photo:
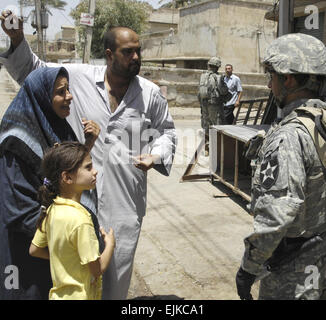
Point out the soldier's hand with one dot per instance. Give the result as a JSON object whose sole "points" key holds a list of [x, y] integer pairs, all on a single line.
{"points": [[13, 27], [244, 281]]}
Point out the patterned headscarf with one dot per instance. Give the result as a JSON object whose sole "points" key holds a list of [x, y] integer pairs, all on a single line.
{"points": [[30, 123]]}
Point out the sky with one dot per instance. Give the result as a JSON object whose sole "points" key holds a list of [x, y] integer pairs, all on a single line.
{"points": [[58, 18]]}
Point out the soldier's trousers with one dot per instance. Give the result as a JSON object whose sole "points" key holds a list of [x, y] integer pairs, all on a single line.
{"points": [[301, 279], [211, 114]]}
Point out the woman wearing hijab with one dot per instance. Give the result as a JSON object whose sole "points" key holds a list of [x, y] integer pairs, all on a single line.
{"points": [[33, 122]]}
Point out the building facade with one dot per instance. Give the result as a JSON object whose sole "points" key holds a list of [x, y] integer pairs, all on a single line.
{"points": [[235, 30]]}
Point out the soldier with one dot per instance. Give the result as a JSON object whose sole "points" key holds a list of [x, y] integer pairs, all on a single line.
{"points": [[289, 185], [211, 90]]}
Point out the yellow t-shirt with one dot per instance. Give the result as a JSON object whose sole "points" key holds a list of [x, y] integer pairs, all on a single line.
{"points": [[72, 243]]}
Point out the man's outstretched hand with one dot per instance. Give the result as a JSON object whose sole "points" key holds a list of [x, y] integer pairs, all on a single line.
{"points": [[146, 161], [91, 132]]}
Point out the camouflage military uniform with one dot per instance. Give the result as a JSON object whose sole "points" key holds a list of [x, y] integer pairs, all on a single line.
{"points": [[289, 186], [288, 201], [214, 112], [212, 109], [204, 104]]}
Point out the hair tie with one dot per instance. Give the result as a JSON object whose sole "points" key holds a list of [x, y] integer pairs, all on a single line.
{"points": [[56, 145], [46, 182]]}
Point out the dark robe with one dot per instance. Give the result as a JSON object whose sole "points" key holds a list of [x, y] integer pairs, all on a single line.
{"points": [[27, 129]]}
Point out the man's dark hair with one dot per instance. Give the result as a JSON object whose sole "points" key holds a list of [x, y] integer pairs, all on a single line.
{"points": [[229, 65], [110, 37]]}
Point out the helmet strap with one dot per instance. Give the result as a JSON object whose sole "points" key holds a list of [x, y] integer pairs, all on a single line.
{"points": [[311, 84], [280, 98], [322, 89]]}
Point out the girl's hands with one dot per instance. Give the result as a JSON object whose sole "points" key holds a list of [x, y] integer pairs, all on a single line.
{"points": [[108, 238], [91, 132]]}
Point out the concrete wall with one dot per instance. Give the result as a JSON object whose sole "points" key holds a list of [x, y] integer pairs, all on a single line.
{"points": [[158, 27], [198, 30], [161, 21], [244, 42], [164, 15], [232, 29], [67, 33]]}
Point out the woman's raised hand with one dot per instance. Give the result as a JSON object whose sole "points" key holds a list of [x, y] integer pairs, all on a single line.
{"points": [[91, 132]]}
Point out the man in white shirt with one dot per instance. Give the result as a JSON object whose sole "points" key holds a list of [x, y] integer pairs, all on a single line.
{"points": [[137, 134], [234, 84]]}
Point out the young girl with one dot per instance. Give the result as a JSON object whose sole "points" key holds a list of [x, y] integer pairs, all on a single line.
{"points": [[65, 233]]}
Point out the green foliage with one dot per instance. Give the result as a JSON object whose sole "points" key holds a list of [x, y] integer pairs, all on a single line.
{"points": [[56, 4], [126, 13], [178, 3]]}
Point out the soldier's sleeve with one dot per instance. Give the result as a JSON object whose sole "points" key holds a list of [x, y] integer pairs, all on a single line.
{"points": [[278, 198]]}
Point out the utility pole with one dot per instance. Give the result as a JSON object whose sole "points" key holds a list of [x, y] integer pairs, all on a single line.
{"points": [[89, 34], [39, 29], [21, 4]]}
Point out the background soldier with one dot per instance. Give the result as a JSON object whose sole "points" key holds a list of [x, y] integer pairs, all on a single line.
{"points": [[289, 185], [211, 90]]}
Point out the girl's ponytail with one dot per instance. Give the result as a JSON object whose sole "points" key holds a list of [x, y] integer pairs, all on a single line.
{"points": [[46, 195]]}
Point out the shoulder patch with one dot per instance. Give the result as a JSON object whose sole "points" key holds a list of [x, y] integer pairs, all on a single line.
{"points": [[269, 171]]}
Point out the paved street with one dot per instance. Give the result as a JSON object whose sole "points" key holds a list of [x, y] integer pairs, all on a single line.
{"points": [[191, 242]]}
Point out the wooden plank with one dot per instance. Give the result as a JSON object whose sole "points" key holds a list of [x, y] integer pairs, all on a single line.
{"points": [[196, 177], [240, 132], [230, 186], [193, 161], [236, 164]]}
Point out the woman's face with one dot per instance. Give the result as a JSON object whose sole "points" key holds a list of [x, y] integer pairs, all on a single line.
{"points": [[61, 97]]}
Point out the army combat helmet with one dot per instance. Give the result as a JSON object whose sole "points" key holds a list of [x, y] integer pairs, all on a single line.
{"points": [[298, 53], [215, 61]]}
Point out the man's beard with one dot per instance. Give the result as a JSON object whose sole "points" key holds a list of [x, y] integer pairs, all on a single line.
{"points": [[128, 73], [280, 98]]}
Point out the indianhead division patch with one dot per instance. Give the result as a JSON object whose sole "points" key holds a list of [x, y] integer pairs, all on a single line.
{"points": [[269, 171]]}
